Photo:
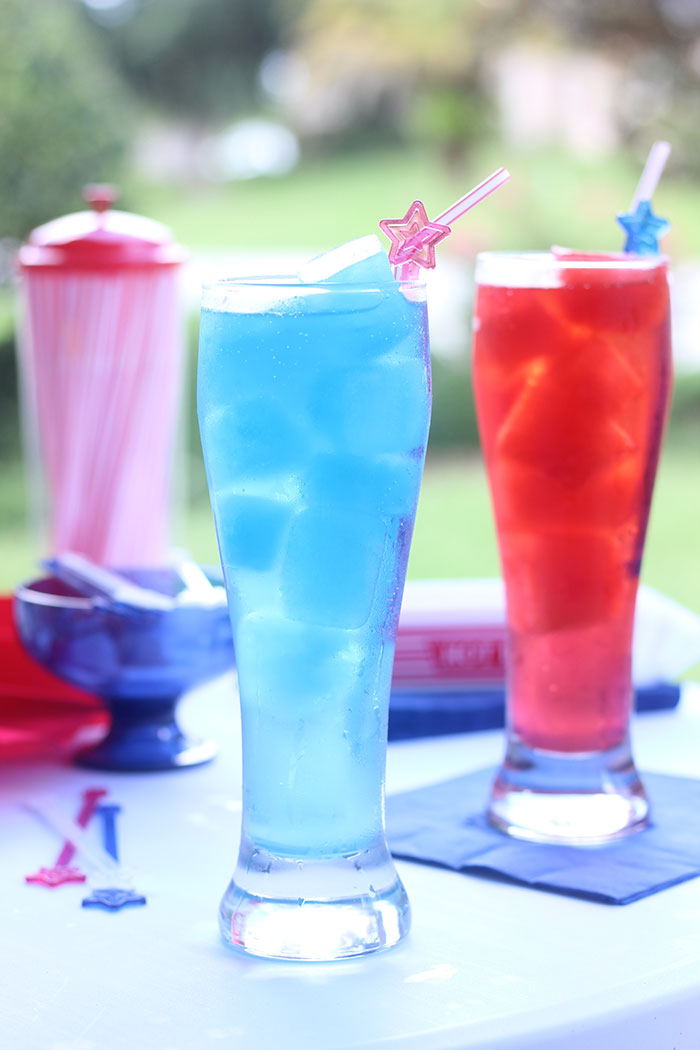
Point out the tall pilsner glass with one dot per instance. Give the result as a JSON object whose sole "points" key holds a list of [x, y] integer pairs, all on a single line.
{"points": [[314, 405], [572, 377]]}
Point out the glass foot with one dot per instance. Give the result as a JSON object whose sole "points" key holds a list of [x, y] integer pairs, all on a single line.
{"points": [[145, 737], [317, 910], [568, 798]]}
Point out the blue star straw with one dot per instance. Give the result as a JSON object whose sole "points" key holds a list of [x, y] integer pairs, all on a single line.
{"points": [[111, 898], [642, 228]]}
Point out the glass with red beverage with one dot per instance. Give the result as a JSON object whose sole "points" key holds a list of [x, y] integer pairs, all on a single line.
{"points": [[572, 377]]}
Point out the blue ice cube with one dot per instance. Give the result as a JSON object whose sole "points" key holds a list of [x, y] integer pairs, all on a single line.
{"points": [[251, 529], [385, 485], [313, 747], [251, 439], [356, 284], [375, 409], [331, 565], [361, 261], [286, 664], [242, 355]]}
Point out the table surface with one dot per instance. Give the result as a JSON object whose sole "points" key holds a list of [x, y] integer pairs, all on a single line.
{"points": [[486, 965]]}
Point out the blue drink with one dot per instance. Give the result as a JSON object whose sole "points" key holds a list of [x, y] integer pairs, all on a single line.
{"points": [[314, 405]]}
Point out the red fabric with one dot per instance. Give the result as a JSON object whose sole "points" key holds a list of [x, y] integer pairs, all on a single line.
{"points": [[40, 713]]}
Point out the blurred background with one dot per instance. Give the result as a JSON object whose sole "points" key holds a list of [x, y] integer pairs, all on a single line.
{"points": [[264, 131]]}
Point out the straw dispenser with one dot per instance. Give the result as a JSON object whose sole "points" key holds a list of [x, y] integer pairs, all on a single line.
{"points": [[101, 356]]}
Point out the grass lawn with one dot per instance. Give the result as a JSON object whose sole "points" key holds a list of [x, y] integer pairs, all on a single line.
{"points": [[454, 533], [551, 198]]}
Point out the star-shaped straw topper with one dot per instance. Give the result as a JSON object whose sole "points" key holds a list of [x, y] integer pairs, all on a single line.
{"points": [[63, 871], [642, 228], [59, 875], [414, 236], [112, 898]]}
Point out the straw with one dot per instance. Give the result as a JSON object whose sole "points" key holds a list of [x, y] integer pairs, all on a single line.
{"points": [[653, 169], [112, 897], [474, 197], [96, 857], [83, 574], [60, 873], [90, 799], [153, 382], [198, 588], [159, 384], [103, 385]]}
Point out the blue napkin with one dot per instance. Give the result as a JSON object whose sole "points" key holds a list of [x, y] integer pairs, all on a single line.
{"points": [[437, 712], [444, 825]]}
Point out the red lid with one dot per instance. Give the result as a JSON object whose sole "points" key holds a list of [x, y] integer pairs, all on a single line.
{"points": [[101, 239]]}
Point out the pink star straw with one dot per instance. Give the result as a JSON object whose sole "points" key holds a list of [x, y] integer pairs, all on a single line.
{"points": [[62, 871], [414, 236]]}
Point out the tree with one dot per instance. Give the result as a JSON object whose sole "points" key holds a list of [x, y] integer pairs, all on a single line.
{"points": [[401, 66], [433, 61], [62, 118], [653, 42], [197, 58]]}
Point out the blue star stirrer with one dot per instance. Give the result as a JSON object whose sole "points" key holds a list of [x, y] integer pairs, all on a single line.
{"points": [[642, 228], [111, 897]]}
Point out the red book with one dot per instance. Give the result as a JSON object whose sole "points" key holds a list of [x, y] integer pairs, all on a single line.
{"points": [[452, 633], [449, 670]]}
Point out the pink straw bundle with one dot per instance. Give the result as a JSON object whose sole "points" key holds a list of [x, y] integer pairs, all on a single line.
{"points": [[102, 377]]}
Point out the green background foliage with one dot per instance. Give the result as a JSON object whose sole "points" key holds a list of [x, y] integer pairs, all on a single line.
{"points": [[81, 85], [64, 115]]}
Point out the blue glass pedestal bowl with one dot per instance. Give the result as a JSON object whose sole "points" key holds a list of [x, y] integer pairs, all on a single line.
{"points": [[139, 662]]}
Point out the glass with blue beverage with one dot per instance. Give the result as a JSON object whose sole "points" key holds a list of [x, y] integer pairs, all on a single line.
{"points": [[314, 406]]}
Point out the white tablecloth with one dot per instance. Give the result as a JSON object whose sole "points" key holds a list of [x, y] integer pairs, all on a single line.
{"points": [[486, 965]]}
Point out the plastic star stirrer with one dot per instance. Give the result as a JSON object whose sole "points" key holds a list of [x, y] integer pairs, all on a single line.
{"points": [[642, 228], [111, 897], [112, 884], [63, 871], [414, 236]]}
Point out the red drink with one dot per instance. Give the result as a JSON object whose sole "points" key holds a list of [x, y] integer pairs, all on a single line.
{"points": [[572, 376]]}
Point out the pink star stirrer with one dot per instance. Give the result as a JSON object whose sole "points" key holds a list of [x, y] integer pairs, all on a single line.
{"points": [[413, 237], [63, 871]]}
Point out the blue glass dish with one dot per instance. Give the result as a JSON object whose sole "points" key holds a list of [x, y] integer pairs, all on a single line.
{"points": [[139, 662]]}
